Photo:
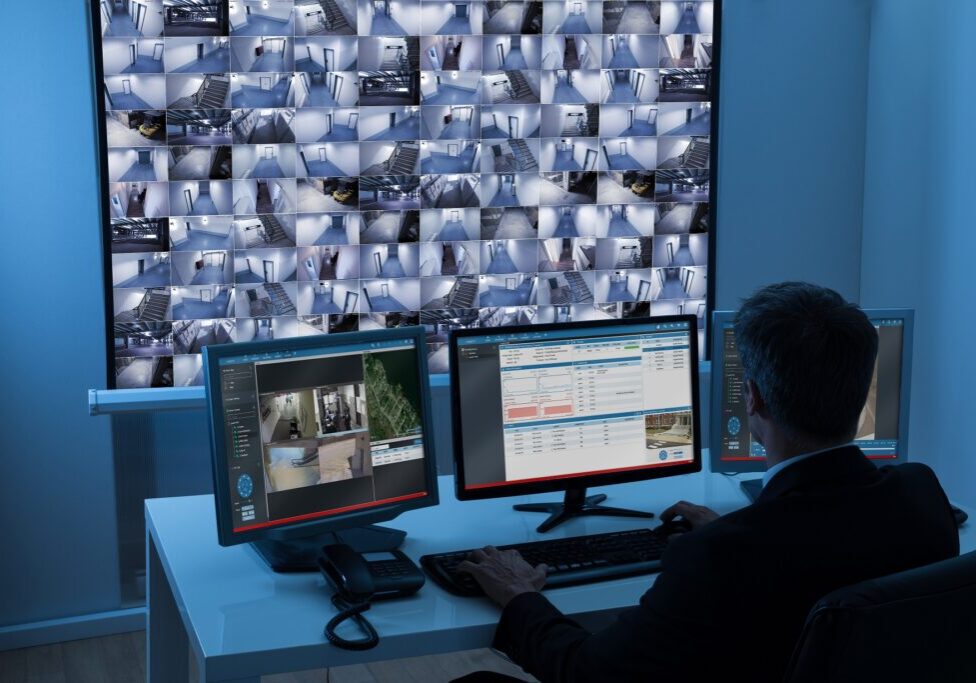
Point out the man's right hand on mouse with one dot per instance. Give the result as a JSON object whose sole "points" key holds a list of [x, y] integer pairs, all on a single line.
{"points": [[696, 515]]}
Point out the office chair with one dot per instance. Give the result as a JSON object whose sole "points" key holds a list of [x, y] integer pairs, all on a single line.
{"points": [[917, 625]]}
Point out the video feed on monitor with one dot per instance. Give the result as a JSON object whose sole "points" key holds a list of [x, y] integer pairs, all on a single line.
{"points": [[533, 161]]}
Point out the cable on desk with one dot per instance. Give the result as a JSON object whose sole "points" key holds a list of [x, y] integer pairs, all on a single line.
{"points": [[355, 612]]}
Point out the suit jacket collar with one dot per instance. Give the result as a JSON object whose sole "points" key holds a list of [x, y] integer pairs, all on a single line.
{"points": [[843, 464]]}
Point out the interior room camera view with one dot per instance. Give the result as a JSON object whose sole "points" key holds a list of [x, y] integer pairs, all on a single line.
{"points": [[283, 167]]}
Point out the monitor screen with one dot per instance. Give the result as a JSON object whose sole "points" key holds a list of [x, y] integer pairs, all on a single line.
{"points": [[882, 428], [304, 167], [319, 430], [543, 407]]}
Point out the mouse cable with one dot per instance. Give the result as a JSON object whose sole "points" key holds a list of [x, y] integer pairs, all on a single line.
{"points": [[352, 611]]}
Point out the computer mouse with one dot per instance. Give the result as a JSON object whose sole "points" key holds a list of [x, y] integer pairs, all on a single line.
{"points": [[678, 525]]}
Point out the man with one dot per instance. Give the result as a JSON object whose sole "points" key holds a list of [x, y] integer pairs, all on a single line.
{"points": [[733, 594]]}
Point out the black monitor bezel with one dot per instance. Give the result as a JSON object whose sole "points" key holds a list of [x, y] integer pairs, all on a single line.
{"points": [[226, 535], [583, 480], [717, 370]]}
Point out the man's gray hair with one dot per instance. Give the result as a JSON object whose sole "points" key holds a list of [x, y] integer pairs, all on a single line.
{"points": [[811, 355]]}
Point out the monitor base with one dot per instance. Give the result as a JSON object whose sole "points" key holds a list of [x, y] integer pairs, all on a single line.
{"points": [[576, 504], [752, 488], [299, 555]]}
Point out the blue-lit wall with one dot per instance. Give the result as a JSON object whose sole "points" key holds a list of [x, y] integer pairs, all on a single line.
{"points": [[919, 238], [794, 108], [57, 499]]}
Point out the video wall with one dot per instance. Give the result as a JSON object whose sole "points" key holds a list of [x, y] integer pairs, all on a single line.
{"points": [[276, 168]]}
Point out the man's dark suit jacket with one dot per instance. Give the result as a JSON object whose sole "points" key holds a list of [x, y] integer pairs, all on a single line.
{"points": [[733, 595]]}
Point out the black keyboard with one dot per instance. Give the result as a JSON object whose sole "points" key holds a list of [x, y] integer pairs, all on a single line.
{"points": [[574, 560]]}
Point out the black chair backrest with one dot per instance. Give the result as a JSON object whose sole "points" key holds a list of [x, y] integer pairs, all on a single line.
{"points": [[918, 625]]}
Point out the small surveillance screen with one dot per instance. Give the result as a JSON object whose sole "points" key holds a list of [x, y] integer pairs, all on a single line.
{"points": [[314, 433], [877, 427], [281, 168]]}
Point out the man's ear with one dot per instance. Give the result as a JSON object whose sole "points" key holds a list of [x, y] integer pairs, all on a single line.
{"points": [[754, 400]]}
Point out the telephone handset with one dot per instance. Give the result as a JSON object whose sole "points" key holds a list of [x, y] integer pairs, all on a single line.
{"points": [[359, 578]]}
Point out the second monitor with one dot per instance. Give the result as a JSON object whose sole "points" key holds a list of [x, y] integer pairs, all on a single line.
{"points": [[562, 407]]}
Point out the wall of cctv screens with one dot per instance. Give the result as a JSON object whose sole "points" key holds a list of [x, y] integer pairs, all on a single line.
{"points": [[274, 168]]}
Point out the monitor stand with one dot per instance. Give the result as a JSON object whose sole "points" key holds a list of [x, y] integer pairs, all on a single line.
{"points": [[576, 504], [752, 488], [301, 554]]}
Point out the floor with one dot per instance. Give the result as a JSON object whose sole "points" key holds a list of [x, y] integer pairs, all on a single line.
{"points": [[332, 236], [201, 140], [700, 125], [451, 231], [623, 162], [247, 277], [253, 96], [204, 206], [620, 227], [618, 292], [144, 64], [688, 23], [319, 95], [507, 20], [456, 130], [407, 129], [199, 240], [567, 94], [122, 658], [391, 268], [574, 25], [264, 26], [324, 304], [217, 61], [340, 134], [137, 374], [504, 196], [566, 227], [675, 221], [194, 166], [565, 162], [515, 60], [152, 350], [623, 92], [550, 193], [122, 24], [449, 94], [384, 25], [637, 19], [209, 275], [141, 172], [612, 193], [439, 162], [683, 257], [270, 62], [322, 169], [623, 58], [672, 289], [118, 135], [639, 129], [455, 26], [311, 200], [193, 309], [502, 263], [128, 101], [684, 197], [513, 225], [385, 303], [391, 205], [157, 276], [384, 230], [500, 296]]}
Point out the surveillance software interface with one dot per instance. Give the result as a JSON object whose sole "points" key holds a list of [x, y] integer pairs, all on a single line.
{"points": [[877, 430], [313, 433], [559, 404]]}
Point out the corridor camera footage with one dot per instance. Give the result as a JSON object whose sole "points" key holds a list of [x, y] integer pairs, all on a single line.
{"points": [[281, 168]]}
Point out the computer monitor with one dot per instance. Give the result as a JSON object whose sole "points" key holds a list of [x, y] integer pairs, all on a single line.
{"points": [[561, 407], [883, 429], [314, 436]]}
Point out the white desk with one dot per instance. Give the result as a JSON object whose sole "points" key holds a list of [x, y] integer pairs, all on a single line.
{"points": [[242, 620]]}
